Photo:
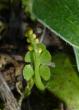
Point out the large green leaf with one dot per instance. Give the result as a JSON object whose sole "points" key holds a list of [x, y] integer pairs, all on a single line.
{"points": [[64, 81], [61, 16]]}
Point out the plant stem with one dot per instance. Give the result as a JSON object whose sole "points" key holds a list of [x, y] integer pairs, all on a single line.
{"points": [[38, 81]]}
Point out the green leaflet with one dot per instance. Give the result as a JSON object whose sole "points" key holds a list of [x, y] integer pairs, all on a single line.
{"points": [[28, 72], [42, 46], [28, 57], [45, 57], [44, 72]]}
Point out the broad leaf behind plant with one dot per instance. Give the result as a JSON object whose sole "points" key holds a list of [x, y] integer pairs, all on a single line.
{"points": [[64, 81]]}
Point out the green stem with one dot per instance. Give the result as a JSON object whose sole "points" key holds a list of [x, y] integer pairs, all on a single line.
{"points": [[38, 80]]}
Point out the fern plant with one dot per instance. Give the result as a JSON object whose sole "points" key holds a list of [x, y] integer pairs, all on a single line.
{"points": [[38, 58]]}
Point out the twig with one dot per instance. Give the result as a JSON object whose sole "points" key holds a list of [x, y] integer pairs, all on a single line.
{"points": [[7, 96], [61, 106], [43, 35]]}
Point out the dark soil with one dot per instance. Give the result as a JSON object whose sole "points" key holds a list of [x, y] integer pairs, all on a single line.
{"points": [[41, 101]]}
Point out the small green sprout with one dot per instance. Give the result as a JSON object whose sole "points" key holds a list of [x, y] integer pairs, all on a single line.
{"points": [[40, 50], [37, 41], [34, 36], [30, 48], [38, 57]]}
